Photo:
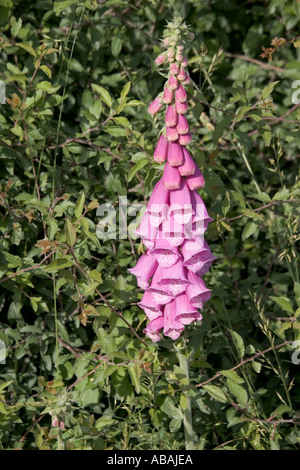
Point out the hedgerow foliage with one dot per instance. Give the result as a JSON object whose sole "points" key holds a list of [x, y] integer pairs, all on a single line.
{"points": [[75, 133]]}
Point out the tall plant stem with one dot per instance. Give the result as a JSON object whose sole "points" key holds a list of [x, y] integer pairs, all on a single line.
{"points": [[187, 413]]}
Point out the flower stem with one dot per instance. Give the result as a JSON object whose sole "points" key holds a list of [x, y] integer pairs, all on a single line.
{"points": [[187, 413]]}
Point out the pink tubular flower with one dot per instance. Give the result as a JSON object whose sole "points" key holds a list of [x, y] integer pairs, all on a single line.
{"points": [[158, 204], [197, 256], [173, 83], [165, 254], [182, 124], [171, 134], [160, 59], [196, 180], [185, 139], [172, 327], [186, 313], [153, 328], [171, 177], [168, 95], [160, 295], [181, 75], [174, 223], [175, 279], [161, 150], [150, 308], [180, 94], [197, 291], [174, 69], [175, 155], [155, 106], [171, 116], [188, 167], [144, 269], [181, 107]]}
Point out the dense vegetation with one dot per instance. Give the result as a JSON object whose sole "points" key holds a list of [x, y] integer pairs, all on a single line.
{"points": [[78, 372]]}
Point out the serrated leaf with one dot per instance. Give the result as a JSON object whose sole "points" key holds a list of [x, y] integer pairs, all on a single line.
{"points": [[216, 393], [232, 375], [268, 90], [104, 95]]}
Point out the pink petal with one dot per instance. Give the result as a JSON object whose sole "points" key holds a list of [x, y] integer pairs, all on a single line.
{"points": [[172, 327], [188, 167], [171, 134], [161, 150], [171, 177], [197, 291], [171, 116], [180, 94], [181, 107], [186, 313], [182, 124], [168, 95], [175, 155], [155, 106], [196, 180], [185, 139], [144, 269], [175, 278]]}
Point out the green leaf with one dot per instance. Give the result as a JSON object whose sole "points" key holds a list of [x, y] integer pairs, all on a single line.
{"points": [[133, 370], [281, 195], [249, 229], [239, 392], [116, 131], [125, 91], [226, 203], [170, 409], [243, 110], [220, 128], [105, 420], [238, 342], [216, 393], [137, 167], [46, 86], [232, 375], [104, 95], [116, 46], [70, 233], [268, 90], [283, 303], [61, 5], [79, 205], [57, 264], [27, 48]]}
